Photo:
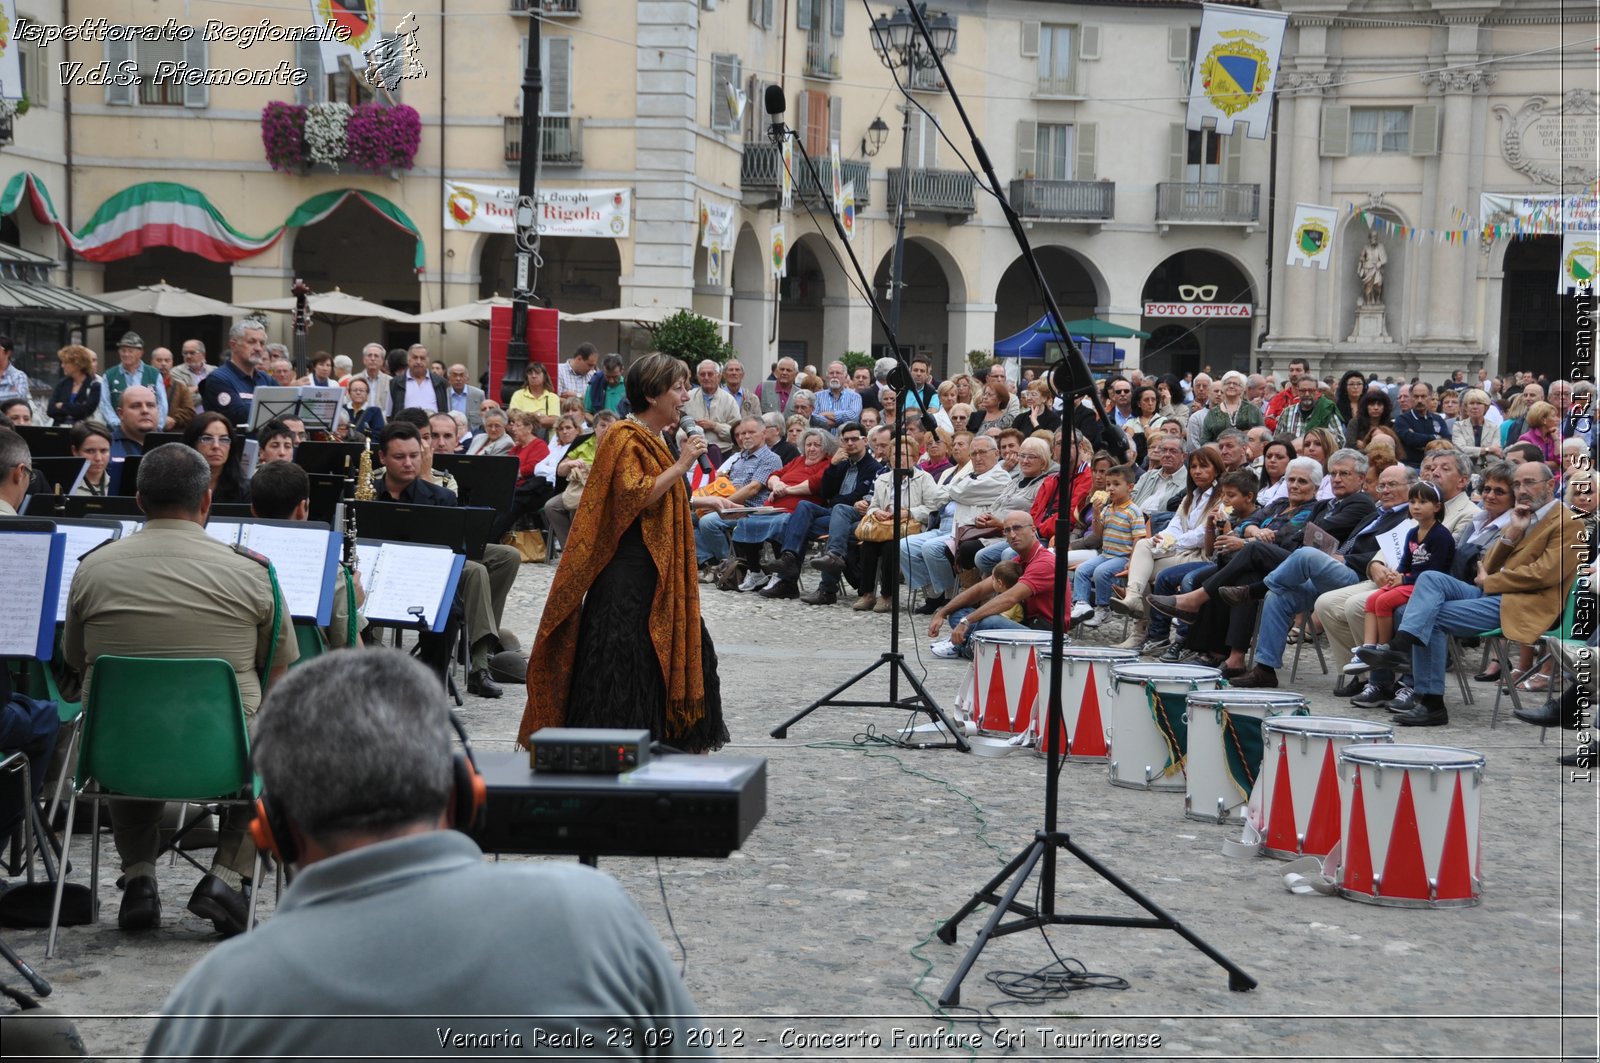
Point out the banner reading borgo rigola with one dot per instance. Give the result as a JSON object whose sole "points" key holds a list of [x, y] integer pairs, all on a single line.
{"points": [[479, 208]]}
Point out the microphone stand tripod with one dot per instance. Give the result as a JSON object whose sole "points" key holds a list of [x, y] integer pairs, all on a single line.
{"points": [[919, 701], [1071, 378]]}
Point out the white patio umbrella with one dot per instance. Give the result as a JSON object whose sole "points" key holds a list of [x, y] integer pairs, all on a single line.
{"points": [[642, 315], [166, 300], [335, 309]]}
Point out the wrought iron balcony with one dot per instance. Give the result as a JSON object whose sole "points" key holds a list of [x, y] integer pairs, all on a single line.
{"points": [[547, 8], [760, 176], [1192, 201], [948, 192], [1064, 200], [560, 140], [822, 57]]}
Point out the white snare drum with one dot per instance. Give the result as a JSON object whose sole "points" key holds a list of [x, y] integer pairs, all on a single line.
{"points": [[1147, 731], [1085, 679], [1224, 751], [1410, 825], [1298, 811], [1005, 685]]}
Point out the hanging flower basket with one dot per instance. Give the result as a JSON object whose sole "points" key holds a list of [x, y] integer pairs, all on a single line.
{"points": [[368, 137]]}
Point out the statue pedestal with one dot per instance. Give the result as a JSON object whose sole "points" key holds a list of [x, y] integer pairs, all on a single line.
{"points": [[1370, 325]]}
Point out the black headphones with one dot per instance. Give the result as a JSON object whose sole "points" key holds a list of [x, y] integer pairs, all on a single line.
{"points": [[468, 796]]}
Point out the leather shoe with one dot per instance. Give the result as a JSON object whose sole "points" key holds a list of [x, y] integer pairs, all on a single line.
{"points": [[1259, 676], [1383, 655], [1348, 688], [228, 909], [781, 588], [1235, 595], [820, 597], [1585, 753], [482, 684], [788, 566], [1546, 715], [829, 562], [1488, 676], [1422, 716], [141, 905], [930, 606], [1167, 604]]}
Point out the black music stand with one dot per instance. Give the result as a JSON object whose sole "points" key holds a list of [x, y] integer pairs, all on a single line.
{"points": [[463, 529], [317, 457], [46, 441], [123, 474], [327, 489], [62, 474], [110, 507], [152, 440], [482, 480]]}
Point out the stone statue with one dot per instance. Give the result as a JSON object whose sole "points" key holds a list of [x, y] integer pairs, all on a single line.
{"points": [[1370, 269]]}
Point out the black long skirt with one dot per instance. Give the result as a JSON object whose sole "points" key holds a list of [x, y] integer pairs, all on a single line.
{"points": [[617, 680]]}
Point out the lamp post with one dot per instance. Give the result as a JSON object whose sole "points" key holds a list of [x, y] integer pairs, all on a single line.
{"points": [[527, 231], [901, 47]]}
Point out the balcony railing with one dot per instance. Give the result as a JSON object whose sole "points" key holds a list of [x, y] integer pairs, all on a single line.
{"points": [[1068, 84], [762, 168], [1064, 200], [946, 191], [1190, 201], [822, 59], [560, 140], [548, 8]]}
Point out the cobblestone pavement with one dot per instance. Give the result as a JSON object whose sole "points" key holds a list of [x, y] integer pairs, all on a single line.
{"points": [[816, 938]]}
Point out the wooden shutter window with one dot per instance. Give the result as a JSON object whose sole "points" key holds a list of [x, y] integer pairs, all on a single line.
{"points": [[1335, 135]]}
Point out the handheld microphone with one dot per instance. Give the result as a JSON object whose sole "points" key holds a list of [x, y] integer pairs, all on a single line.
{"points": [[688, 427], [777, 106]]}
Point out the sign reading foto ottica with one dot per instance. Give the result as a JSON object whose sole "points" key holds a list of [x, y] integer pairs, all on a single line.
{"points": [[479, 208], [1193, 310]]}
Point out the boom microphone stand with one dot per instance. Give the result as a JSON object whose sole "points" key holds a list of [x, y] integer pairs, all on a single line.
{"points": [[920, 700], [1071, 378]]}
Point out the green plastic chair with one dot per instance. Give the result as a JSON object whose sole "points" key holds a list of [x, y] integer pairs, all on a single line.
{"points": [[159, 730], [41, 679], [1496, 636], [310, 639]]}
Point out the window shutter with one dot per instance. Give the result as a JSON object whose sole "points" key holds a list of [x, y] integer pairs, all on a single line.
{"points": [[36, 78], [754, 114], [802, 112], [1335, 131], [817, 124], [803, 14], [308, 57], [1088, 42], [756, 8], [722, 75], [1030, 40], [557, 76], [1178, 44], [838, 17], [1232, 157], [1177, 151], [1027, 149], [836, 123], [1424, 129], [118, 53], [766, 14], [194, 53], [1083, 160]]}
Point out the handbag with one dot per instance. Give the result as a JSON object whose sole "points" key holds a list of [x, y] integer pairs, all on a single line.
{"points": [[871, 530], [967, 533], [574, 489], [529, 543]]}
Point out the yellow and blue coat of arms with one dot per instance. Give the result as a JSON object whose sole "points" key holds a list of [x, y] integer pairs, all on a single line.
{"points": [[1236, 71]]}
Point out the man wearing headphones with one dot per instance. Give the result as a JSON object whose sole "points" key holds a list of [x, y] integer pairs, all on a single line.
{"points": [[173, 591], [397, 921]]}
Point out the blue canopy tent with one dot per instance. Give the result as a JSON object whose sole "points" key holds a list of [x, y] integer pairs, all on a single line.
{"points": [[1040, 342]]}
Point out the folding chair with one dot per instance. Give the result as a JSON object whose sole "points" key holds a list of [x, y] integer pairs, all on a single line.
{"points": [[159, 730], [310, 639], [1303, 622], [1562, 631], [70, 714]]}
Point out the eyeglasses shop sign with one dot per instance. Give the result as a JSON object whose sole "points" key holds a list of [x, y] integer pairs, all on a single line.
{"points": [[561, 212], [1195, 310]]}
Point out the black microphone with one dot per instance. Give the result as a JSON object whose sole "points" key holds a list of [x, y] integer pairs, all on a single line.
{"points": [[687, 425], [777, 106]]}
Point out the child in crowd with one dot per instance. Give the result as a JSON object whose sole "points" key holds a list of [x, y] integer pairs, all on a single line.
{"points": [[1005, 576], [1428, 547], [1121, 524]]}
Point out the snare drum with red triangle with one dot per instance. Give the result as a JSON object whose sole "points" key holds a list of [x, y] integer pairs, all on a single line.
{"points": [[1085, 676], [1299, 807], [1005, 679], [1411, 825]]}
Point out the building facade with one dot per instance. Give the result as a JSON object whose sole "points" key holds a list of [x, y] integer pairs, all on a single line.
{"points": [[1134, 219]]}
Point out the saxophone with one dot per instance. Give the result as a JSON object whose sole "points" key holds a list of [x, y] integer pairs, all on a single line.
{"points": [[364, 492]]}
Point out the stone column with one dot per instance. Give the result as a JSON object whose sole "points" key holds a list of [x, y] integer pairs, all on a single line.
{"points": [[1293, 316], [1453, 265], [846, 325]]}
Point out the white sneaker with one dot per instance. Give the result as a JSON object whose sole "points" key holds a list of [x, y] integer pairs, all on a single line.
{"points": [[946, 649], [1081, 610], [1357, 667], [1101, 613], [752, 580]]}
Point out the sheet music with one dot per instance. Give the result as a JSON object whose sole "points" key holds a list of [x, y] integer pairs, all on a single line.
{"points": [[225, 532], [1392, 543], [80, 540], [24, 569], [403, 575], [299, 556], [129, 525]]}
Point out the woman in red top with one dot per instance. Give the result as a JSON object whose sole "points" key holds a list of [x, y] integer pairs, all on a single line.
{"points": [[532, 491], [796, 480]]}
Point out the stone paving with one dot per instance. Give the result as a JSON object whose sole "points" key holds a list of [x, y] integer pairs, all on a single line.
{"points": [[816, 939]]}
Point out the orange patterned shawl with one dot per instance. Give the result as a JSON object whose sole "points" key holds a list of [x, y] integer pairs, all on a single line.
{"points": [[629, 459]]}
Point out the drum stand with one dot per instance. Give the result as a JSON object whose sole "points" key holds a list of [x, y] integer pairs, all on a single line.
{"points": [[1042, 852]]}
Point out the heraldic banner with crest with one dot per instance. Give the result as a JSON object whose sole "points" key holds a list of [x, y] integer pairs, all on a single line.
{"points": [[1312, 243], [357, 17], [1578, 261], [1236, 67]]}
